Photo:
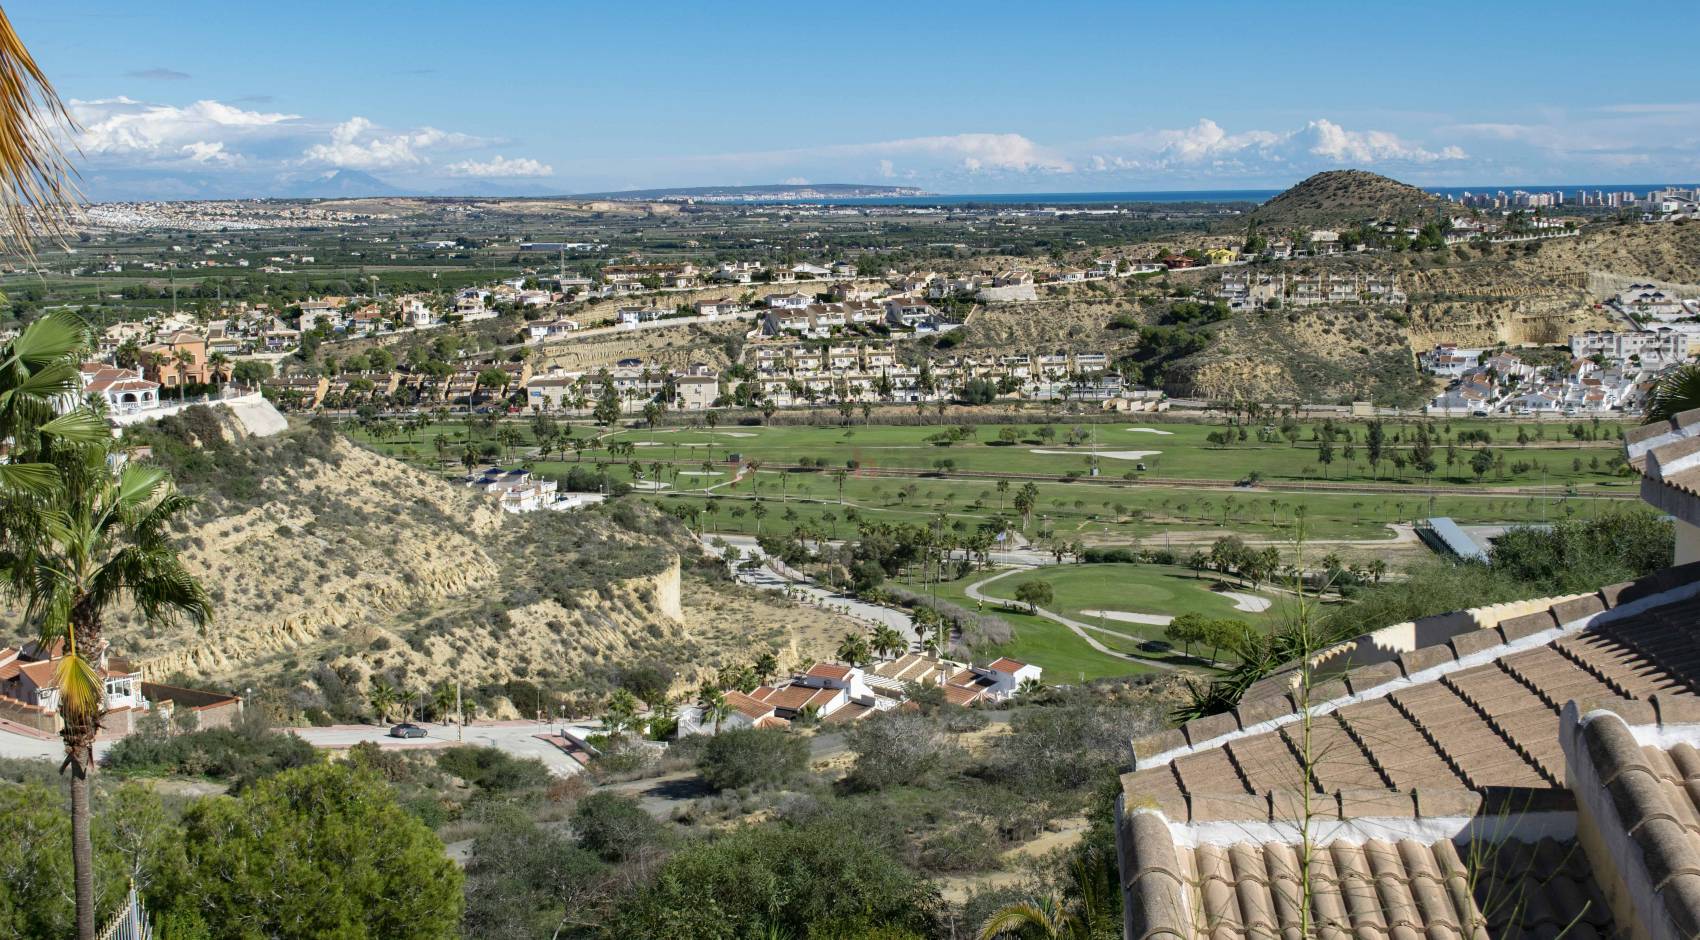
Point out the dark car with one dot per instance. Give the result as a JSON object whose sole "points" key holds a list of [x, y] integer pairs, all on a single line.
{"points": [[407, 729]]}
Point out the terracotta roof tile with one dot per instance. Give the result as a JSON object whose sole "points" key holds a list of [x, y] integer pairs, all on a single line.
{"points": [[1377, 889], [1657, 798], [1474, 741]]}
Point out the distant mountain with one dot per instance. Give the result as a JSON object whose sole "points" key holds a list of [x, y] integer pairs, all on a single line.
{"points": [[770, 191], [489, 188], [1346, 196], [344, 184]]}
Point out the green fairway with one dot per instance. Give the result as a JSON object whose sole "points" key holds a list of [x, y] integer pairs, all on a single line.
{"points": [[1107, 509], [1165, 449], [1141, 589], [1046, 643]]}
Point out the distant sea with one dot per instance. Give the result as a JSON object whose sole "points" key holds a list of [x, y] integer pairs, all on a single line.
{"points": [[1186, 195]]}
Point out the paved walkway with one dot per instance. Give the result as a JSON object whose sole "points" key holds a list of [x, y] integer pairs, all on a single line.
{"points": [[775, 575], [1077, 627]]}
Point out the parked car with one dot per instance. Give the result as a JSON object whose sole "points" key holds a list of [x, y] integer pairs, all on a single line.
{"points": [[407, 729]]}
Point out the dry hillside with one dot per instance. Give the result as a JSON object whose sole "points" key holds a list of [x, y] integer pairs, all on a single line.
{"points": [[1336, 197], [330, 565]]}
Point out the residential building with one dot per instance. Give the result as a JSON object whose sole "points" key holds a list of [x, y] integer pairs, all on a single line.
{"points": [[1662, 345], [123, 390], [177, 359]]}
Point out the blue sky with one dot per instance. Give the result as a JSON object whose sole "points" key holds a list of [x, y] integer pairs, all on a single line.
{"points": [[180, 99]]}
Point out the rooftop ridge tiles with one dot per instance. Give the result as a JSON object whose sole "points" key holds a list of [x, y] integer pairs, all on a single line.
{"points": [[1631, 608], [1644, 809]]}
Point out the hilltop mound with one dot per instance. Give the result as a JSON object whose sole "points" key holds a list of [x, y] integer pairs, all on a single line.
{"points": [[1341, 196], [331, 566]]}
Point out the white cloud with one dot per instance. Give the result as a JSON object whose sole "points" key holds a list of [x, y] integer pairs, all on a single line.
{"points": [[209, 151], [359, 144], [1209, 149], [887, 169], [501, 167], [1324, 138], [140, 132], [978, 153], [796, 181]]}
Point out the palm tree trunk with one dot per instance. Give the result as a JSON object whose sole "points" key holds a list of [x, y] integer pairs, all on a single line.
{"points": [[82, 847]]}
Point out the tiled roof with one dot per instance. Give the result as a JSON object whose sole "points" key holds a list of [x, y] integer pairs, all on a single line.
{"points": [[747, 706], [910, 667], [850, 713], [795, 698], [1427, 721], [957, 695], [1006, 664], [829, 671], [1655, 794], [1423, 773], [1407, 888], [1667, 453]]}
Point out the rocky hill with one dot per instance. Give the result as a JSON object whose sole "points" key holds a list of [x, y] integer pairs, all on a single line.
{"points": [[331, 566], [1339, 197]]}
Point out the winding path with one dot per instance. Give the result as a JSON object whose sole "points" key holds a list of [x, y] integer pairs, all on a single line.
{"points": [[1077, 627]]}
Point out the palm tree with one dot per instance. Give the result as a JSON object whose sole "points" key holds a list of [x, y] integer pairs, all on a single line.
{"points": [[383, 699], [1084, 914], [1677, 391], [102, 537], [443, 702], [715, 709], [886, 640]]}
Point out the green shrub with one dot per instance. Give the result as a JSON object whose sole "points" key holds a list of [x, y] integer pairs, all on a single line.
{"points": [[490, 769], [242, 754], [781, 880], [615, 828], [752, 757]]}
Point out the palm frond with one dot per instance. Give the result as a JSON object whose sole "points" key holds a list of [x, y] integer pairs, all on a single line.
{"points": [[55, 336], [1677, 391], [1012, 919], [80, 426], [80, 688], [34, 479], [137, 484], [38, 192]]}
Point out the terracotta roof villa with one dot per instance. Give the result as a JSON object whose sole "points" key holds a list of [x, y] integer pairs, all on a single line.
{"points": [[1525, 770]]}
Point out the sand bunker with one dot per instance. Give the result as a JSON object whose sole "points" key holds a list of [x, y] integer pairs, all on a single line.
{"points": [[1154, 620], [699, 473], [1248, 602], [1148, 431], [1112, 454], [651, 485]]}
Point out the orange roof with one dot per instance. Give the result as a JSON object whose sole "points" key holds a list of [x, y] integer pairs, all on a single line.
{"points": [[828, 671], [748, 707], [1005, 664], [957, 695]]}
